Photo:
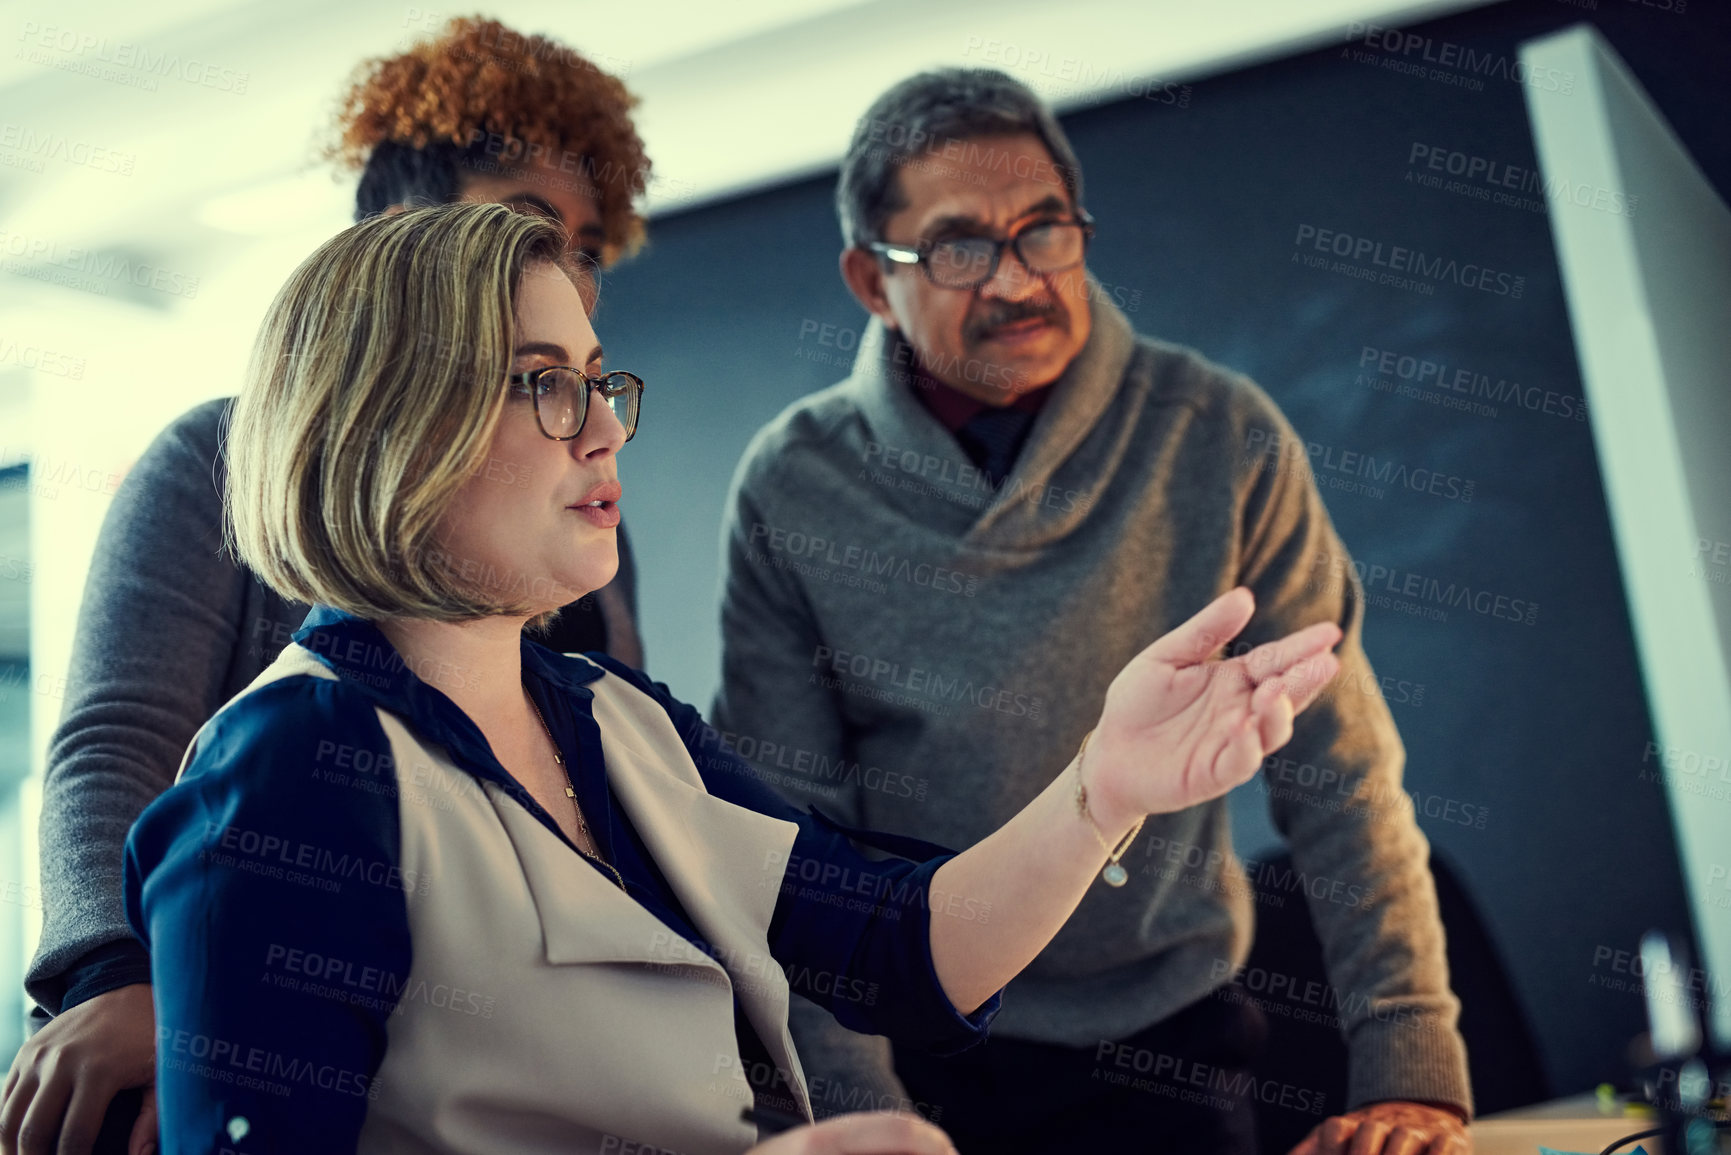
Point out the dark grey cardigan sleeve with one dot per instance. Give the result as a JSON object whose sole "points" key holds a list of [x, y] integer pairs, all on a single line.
{"points": [[168, 630]]}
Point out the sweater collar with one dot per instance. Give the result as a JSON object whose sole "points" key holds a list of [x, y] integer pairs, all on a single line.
{"points": [[881, 385], [954, 409]]}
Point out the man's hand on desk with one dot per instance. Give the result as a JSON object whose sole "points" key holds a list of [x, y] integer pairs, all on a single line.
{"points": [[1395, 1127], [874, 1133]]}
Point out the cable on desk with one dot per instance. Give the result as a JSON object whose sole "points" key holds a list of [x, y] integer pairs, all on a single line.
{"points": [[1627, 1139]]}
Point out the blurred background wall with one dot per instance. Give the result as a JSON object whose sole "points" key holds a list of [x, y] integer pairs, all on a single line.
{"points": [[1216, 147]]}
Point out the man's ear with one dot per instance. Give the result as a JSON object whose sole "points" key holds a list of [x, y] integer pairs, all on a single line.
{"points": [[393, 210], [864, 276]]}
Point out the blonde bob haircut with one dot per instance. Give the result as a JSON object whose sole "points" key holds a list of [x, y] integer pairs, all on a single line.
{"points": [[373, 392]]}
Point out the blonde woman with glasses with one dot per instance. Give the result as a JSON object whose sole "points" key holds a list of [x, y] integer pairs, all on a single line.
{"points": [[427, 886]]}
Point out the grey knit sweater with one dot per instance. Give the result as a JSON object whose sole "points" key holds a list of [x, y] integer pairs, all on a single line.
{"points": [[169, 630], [917, 653]]}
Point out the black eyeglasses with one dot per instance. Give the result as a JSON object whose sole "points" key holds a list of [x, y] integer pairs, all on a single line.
{"points": [[561, 396], [1048, 246]]}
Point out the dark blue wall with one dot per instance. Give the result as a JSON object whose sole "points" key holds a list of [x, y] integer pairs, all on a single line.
{"points": [[1525, 741]]}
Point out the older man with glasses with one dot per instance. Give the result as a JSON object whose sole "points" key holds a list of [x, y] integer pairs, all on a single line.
{"points": [[940, 562]]}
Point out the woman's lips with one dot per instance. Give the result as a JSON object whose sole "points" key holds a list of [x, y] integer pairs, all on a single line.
{"points": [[600, 506], [604, 515], [607, 491]]}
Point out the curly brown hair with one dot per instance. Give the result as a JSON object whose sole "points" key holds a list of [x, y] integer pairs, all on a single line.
{"points": [[504, 96]]}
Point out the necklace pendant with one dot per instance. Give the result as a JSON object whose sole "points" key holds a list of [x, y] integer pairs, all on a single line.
{"points": [[1114, 875]]}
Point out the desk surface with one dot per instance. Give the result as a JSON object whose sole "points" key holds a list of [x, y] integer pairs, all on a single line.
{"points": [[1571, 1124]]}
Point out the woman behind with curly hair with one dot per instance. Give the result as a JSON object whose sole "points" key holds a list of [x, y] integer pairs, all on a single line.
{"points": [[171, 628], [484, 112]]}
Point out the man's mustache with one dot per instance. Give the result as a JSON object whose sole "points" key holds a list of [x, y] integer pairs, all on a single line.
{"points": [[1009, 312]]}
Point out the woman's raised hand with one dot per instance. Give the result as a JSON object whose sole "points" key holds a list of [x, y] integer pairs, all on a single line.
{"points": [[1181, 727]]}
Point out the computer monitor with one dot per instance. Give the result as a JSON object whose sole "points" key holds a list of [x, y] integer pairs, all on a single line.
{"points": [[1644, 244]]}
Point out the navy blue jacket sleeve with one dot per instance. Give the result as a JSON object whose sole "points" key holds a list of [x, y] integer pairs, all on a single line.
{"points": [[853, 934], [265, 885]]}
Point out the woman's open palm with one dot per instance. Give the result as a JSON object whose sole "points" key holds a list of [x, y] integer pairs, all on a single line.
{"points": [[1181, 727]]}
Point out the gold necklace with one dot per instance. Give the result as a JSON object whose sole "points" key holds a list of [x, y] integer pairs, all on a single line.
{"points": [[571, 793]]}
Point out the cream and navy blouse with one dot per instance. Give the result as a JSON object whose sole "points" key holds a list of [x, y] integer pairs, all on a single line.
{"points": [[365, 935]]}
